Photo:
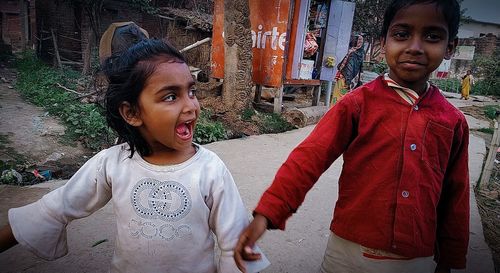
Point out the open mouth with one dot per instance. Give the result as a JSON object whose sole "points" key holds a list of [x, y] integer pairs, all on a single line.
{"points": [[185, 130]]}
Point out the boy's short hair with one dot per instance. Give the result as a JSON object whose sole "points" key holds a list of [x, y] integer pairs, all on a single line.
{"points": [[127, 74], [449, 8]]}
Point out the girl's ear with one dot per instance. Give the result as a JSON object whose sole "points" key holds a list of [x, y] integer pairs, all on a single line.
{"points": [[129, 114], [382, 45]]}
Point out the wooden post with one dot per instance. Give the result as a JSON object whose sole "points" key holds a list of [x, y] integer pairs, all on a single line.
{"points": [[278, 99], [316, 95], [258, 93], [490, 159], [56, 50]]}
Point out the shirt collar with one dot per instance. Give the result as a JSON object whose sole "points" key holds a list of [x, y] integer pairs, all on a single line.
{"points": [[407, 94]]}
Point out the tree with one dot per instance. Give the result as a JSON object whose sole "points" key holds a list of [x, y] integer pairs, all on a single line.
{"points": [[368, 20], [237, 89]]}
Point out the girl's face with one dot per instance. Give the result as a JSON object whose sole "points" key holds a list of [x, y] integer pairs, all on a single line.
{"points": [[167, 113]]}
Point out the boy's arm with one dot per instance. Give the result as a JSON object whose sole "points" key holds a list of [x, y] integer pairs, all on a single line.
{"points": [[305, 164], [453, 208], [7, 239]]}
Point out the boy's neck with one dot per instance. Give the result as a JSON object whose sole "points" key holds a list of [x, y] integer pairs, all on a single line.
{"points": [[419, 87]]}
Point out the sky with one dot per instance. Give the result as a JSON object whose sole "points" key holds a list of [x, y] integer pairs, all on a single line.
{"points": [[483, 10]]}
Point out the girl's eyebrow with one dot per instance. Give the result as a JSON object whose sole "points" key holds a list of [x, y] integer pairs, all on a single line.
{"points": [[174, 87]]}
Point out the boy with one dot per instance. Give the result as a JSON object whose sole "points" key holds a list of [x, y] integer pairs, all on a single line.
{"points": [[404, 187]]}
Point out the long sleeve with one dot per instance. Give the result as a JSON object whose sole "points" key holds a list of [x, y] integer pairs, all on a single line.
{"points": [[308, 161], [41, 226], [228, 218], [453, 208]]}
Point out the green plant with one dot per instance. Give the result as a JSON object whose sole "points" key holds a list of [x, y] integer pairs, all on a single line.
{"points": [[247, 114], [38, 83], [448, 85], [486, 130], [380, 67], [207, 131], [274, 123], [487, 70], [491, 111]]}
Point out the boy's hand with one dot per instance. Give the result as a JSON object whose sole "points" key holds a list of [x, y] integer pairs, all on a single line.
{"points": [[243, 250]]}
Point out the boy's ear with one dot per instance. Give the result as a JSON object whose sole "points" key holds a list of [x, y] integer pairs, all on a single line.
{"points": [[382, 45], [129, 114], [450, 49]]}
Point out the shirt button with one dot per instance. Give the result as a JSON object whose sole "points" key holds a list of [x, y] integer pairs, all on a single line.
{"points": [[415, 107], [405, 194], [413, 147]]}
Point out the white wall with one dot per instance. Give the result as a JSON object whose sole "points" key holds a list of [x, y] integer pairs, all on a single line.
{"points": [[474, 29]]}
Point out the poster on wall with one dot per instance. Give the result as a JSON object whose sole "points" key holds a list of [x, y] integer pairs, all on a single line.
{"points": [[269, 22], [464, 53], [443, 69]]}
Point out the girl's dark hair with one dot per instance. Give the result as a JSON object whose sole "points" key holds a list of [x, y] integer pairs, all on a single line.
{"points": [[127, 74], [449, 8]]}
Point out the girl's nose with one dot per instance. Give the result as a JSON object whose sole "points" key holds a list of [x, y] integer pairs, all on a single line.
{"points": [[191, 104]]}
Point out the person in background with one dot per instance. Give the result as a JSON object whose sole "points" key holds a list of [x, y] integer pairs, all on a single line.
{"points": [[348, 75], [467, 82], [403, 198]]}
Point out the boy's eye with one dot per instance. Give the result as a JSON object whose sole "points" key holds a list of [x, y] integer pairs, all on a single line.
{"points": [[433, 37], [400, 35], [170, 97]]}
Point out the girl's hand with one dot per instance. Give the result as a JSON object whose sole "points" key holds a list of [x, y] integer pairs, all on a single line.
{"points": [[7, 239], [243, 250]]}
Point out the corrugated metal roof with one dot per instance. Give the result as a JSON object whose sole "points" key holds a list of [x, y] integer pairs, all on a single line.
{"points": [[486, 11]]}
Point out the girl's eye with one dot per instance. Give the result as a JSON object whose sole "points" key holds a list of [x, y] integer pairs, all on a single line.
{"points": [[170, 97], [192, 92]]}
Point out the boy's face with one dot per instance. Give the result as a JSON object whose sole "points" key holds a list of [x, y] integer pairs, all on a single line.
{"points": [[416, 43], [168, 110]]}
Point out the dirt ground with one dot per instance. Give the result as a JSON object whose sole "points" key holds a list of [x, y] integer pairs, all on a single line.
{"points": [[29, 135]]}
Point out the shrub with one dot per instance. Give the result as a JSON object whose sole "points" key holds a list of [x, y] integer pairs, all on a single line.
{"points": [[487, 71], [207, 131], [37, 82], [491, 111], [274, 123]]}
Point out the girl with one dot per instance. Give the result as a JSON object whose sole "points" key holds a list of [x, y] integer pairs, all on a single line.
{"points": [[168, 193]]}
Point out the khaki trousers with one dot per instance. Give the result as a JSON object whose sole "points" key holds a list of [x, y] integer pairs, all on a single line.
{"points": [[342, 256]]}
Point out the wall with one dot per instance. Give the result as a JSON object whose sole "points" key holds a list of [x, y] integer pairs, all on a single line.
{"points": [[72, 27], [475, 29], [484, 46]]}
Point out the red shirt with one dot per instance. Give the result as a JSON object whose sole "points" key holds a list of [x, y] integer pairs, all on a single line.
{"points": [[404, 186]]}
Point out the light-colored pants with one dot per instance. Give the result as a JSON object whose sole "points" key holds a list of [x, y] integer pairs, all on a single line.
{"points": [[342, 256]]}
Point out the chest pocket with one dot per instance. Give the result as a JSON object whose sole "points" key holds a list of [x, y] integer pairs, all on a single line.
{"points": [[437, 145]]}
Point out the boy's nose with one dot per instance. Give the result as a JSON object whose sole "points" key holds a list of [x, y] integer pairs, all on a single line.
{"points": [[415, 46]]}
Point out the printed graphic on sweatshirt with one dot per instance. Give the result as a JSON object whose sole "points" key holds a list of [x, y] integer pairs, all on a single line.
{"points": [[164, 200], [152, 231]]}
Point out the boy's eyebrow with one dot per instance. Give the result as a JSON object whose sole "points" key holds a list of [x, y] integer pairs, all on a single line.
{"points": [[427, 28]]}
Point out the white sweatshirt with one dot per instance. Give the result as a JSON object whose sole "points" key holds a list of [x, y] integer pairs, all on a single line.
{"points": [[165, 215]]}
